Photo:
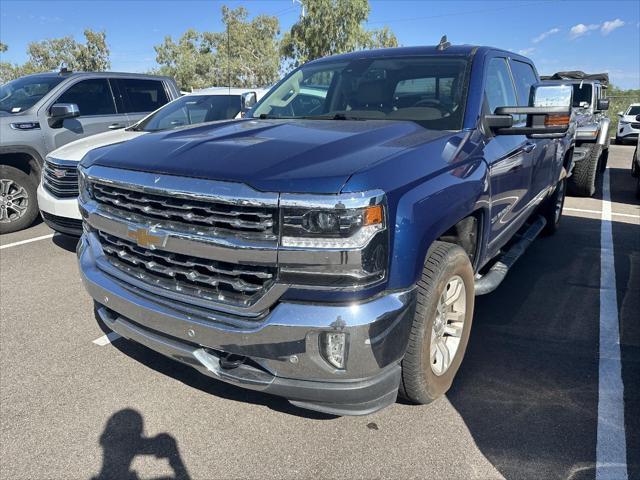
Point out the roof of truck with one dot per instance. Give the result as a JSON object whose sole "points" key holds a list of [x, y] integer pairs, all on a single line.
{"points": [[459, 50], [70, 74]]}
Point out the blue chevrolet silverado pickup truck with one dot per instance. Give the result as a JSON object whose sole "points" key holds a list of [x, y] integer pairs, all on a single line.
{"points": [[328, 247]]}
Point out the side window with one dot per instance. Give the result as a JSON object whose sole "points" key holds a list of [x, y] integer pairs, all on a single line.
{"points": [[141, 96], [93, 97], [524, 78], [499, 91]]}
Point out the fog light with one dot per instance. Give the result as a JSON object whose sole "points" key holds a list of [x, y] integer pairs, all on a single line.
{"points": [[334, 348]]}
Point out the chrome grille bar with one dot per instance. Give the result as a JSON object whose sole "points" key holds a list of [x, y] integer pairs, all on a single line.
{"points": [[60, 178]]}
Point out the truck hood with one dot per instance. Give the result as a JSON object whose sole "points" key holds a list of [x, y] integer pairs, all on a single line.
{"points": [[305, 156], [76, 150]]}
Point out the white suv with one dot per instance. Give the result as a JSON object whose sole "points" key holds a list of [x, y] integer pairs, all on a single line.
{"points": [[58, 189], [628, 126]]}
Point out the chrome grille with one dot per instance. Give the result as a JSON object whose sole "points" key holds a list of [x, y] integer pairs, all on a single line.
{"points": [[203, 278], [187, 211], [60, 178]]}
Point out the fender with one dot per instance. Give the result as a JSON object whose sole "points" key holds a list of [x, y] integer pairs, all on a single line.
{"points": [[35, 165], [603, 134]]}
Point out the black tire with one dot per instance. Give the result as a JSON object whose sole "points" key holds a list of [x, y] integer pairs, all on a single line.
{"points": [[638, 188], [552, 208], [13, 181], [419, 383], [583, 181], [635, 171]]}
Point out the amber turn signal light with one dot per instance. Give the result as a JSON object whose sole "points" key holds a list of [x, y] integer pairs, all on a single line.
{"points": [[373, 215], [556, 120]]}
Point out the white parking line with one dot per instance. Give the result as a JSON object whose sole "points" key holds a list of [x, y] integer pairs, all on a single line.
{"points": [[611, 447], [29, 240], [106, 339], [598, 212]]}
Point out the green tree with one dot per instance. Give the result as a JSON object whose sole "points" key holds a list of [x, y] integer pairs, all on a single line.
{"points": [[330, 27], [245, 54], [46, 55]]}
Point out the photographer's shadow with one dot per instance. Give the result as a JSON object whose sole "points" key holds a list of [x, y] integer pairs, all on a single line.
{"points": [[122, 441]]}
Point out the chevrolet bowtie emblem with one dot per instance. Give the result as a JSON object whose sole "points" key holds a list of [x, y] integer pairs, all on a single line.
{"points": [[59, 173], [144, 238]]}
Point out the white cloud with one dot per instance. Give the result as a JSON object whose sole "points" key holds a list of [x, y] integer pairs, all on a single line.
{"points": [[610, 25], [526, 51], [581, 29], [544, 35]]}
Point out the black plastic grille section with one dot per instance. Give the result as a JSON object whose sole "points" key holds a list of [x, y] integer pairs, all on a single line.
{"points": [[60, 179]]}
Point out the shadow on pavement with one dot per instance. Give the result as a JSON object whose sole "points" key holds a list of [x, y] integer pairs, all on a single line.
{"points": [[65, 242], [122, 441]]}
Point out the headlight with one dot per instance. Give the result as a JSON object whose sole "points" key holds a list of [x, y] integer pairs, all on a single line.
{"points": [[586, 134], [83, 185], [333, 240]]}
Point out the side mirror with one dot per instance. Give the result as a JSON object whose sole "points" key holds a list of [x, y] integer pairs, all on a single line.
{"points": [[64, 110], [603, 104], [620, 114], [249, 99], [548, 115]]}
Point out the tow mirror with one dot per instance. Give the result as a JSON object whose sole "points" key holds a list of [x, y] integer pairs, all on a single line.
{"points": [[548, 113], [603, 104]]}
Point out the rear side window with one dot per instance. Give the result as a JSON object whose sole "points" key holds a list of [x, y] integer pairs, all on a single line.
{"points": [[142, 96], [499, 91], [524, 78], [93, 97]]}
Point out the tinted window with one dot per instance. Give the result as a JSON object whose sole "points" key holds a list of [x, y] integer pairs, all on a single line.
{"points": [[93, 97], [524, 78], [635, 110], [192, 109], [499, 90], [429, 90], [581, 94], [142, 95], [23, 93]]}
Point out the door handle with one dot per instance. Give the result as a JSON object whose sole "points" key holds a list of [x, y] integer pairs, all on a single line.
{"points": [[529, 147], [115, 126]]}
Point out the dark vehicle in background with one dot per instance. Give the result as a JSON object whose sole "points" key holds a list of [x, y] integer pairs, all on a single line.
{"points": [[635, 162], [42, 112], [591, 152], [329, 248]]}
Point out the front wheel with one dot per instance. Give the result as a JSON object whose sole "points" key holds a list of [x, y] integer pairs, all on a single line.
{"points": [[552, 208], [18, 204], [583, 181], [441, 325]]}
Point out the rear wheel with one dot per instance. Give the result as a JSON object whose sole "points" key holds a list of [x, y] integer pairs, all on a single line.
{"points": [[583, 181], [441, 325], [18, 204]]}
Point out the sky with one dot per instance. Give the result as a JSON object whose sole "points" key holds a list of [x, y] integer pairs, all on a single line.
{"points": [[588, 35]]}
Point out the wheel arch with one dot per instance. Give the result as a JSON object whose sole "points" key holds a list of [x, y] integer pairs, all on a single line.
{"points": [[22, 157]]}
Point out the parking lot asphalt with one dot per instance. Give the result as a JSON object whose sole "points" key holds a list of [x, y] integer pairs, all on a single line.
{"points": [[524, 405]]}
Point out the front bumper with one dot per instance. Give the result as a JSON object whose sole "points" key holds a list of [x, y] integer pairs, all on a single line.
{"points": [[61, 214], [280, 350], [627, 130]]}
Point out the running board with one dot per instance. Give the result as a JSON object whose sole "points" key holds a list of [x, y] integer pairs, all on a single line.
{"points": [[494, 277]]}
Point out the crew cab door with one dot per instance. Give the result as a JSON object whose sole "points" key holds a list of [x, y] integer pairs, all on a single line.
{"points": [[509, 158], [98, 112], [139, 96], [543, 152]]}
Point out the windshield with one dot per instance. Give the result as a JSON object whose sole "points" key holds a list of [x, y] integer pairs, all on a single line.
{"points": [[428, 90], [23, 93], [192, 109], [634, 110], [582, 95]]}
